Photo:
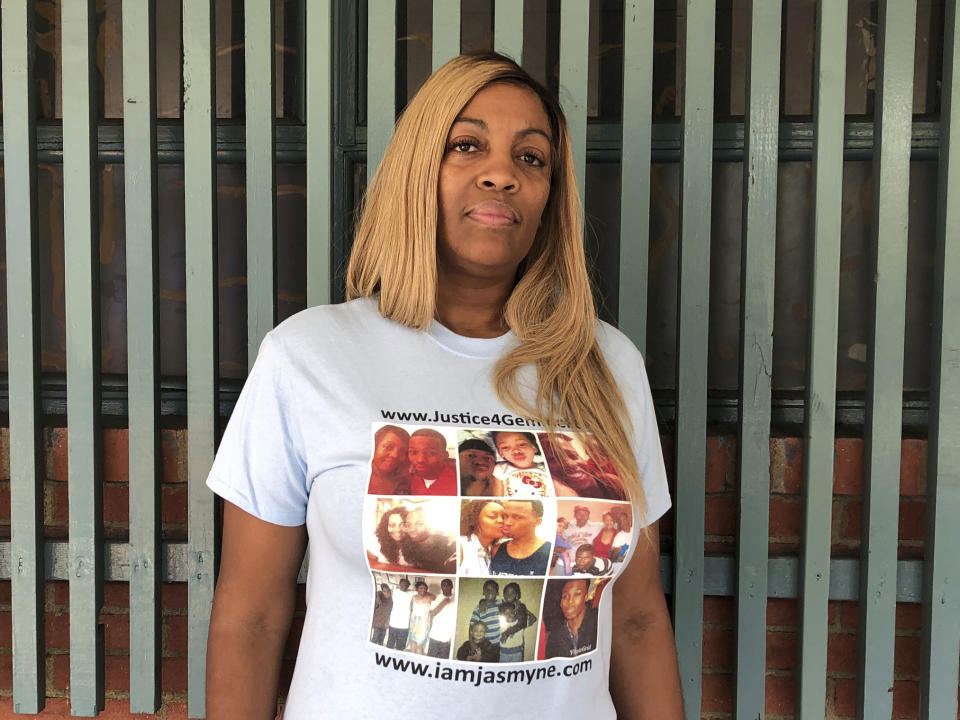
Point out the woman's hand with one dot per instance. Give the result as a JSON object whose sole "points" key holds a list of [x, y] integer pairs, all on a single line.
{"points": [[252, 609], [644, 678]]}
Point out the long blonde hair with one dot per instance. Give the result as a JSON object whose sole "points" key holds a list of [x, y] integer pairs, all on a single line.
{"points": [[551, 307]]}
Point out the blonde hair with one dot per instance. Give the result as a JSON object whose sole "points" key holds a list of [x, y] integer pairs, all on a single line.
{"points": [[551, 307]]}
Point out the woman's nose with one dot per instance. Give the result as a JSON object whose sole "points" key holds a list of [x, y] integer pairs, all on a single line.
{"points": [[498, 173]]}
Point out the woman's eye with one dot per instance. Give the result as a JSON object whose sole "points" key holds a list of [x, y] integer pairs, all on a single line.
{"points": [[532, 159], [463, 146]]}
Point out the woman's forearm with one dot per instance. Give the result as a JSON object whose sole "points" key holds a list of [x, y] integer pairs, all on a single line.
{"points": [[644, 680], [244, 654]]}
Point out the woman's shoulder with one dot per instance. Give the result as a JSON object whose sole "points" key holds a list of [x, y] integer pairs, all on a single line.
{"points": [[614, 344]]}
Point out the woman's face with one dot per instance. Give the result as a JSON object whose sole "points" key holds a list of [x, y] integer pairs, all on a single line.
{"points": [[608, 522], [493, 186], [389, 453], [490, 521], [395, 527]]}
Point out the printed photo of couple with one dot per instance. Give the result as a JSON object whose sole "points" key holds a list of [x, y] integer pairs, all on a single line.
{"points": [[497, 621], [417, 616], [502, 463], [505, 536], [413, 460], [410, 534], [569, 626], [592, 537]]}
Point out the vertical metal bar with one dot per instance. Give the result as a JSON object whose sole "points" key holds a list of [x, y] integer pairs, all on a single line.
{"points": [[381, 79], [140, 201], [445, 43], [508, 28], [574, 57], [941, 596], [82, 299], [757, 260], [882, 428], [200, 197], [822, 363], [694, 299], [23, 324], [319, 150], [635, 168], [261, 175]]}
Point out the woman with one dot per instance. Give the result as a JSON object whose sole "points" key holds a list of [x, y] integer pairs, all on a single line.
{"points": [[389, 468], [390, 533], [603, 542], [481, 528], [420, 619], [468, 290], [575, 475]]}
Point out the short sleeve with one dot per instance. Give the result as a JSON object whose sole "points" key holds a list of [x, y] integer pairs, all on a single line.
{"points": [[259, 465]]}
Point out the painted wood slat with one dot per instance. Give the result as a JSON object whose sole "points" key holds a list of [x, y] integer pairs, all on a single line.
{"points": [[320, 142], [140, 202], [381, 79], [694, 299], [574, 51], [23, 326], [81, 252], [941, 596], [200, 198], [508, 28], [757, 261], [445, 43], [260, 81], [635, 169], [822, 361], [882, 428]]}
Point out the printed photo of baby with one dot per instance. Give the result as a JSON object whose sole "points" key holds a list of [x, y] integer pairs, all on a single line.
{"points": [[502, 463]]}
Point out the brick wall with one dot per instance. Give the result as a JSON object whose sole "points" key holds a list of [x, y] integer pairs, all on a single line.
{"points": [[786, 486]]}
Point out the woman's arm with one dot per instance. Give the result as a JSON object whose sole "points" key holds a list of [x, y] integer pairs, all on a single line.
{"points": [[252, 609], [644, 678]]}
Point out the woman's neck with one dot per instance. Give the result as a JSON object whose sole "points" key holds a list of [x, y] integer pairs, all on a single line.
{"points": [[471, 307]]}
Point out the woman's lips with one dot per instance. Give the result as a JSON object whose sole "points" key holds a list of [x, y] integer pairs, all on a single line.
{"points": [[495, 214]]}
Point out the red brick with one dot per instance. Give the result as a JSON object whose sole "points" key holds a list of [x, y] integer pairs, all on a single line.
{"points": [[116, 503], [61, 592], [57, 499], [4, 453], [913, 519], [173, 455], [849, 615], [116, 631], [786, 517], [846, 519], [781, 651], [56, 442], [173, 504], [845, 697], [6, 672], [116, 595], [175, 710], [718, 649], [5, 502], [57, 631], [909, 616], [5, 593], [173, 595], [781, 695], [717, 693], [848, 466], [718, 610], [721, 515], [907, 655], [782, 612], [173, 674], [906, 699], [786, 465], [176, 627], [842, 652], [913, 467], [61, 673], [721, 463], [116, 455], [6, 629]]}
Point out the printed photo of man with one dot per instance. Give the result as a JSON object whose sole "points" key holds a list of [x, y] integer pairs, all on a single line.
{"points": [[570, 617], [433, 471]]}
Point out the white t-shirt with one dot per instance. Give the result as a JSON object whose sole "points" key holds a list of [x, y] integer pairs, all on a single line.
{"points": [[298, 450]]}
